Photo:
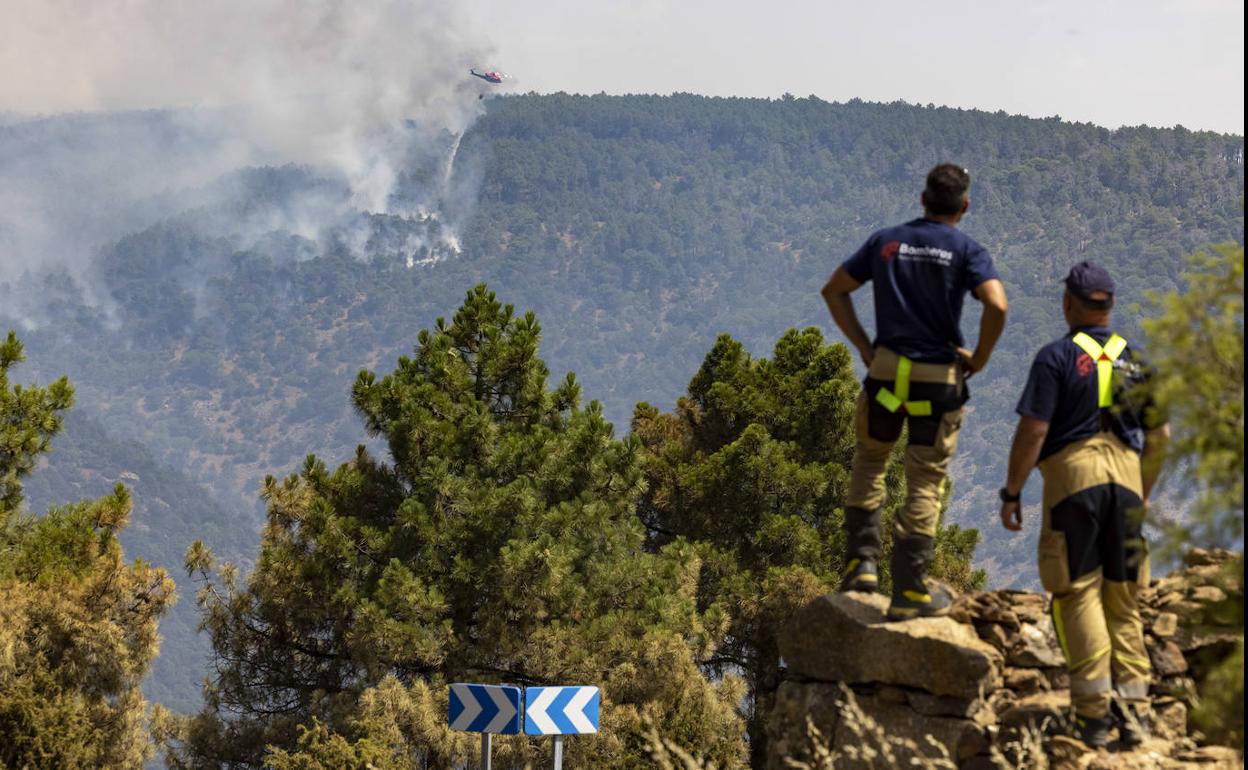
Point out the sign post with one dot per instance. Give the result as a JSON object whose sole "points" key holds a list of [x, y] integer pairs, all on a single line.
{"points": [[487, 709], [561, 711]]}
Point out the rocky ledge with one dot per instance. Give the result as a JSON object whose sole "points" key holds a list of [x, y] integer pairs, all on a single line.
{"points": [[985, 687]]}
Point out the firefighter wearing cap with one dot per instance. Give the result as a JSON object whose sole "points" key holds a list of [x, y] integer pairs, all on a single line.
{"points": [[921, 272], [1083, 422]]}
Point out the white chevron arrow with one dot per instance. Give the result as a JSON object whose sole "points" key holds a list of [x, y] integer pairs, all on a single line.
{"points": [[575, 710], [535, 712], [471, 707]]}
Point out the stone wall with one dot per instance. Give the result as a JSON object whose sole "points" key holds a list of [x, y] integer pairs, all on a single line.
{"points": [[982, 687]]}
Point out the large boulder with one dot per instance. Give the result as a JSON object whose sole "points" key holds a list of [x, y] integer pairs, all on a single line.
{"points": [[847, 638]]}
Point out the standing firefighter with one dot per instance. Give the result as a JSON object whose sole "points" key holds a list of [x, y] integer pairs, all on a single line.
{"points": [[916, 370], [1094, 440]]}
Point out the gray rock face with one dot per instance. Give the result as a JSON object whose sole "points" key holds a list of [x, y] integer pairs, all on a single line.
{"points": [[845, 638], [1036, 647], [987, 681], [863, 730]]}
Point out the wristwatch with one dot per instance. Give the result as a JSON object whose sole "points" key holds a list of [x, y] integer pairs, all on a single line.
{"points": [[1006, 497]]}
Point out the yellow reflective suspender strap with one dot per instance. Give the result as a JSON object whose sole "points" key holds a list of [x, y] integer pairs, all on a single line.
{"points": [[894, 401], [888, 400], [1104, 358]]}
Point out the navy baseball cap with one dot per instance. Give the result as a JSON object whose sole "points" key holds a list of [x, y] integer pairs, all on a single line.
{"points": [[1088, 278]]}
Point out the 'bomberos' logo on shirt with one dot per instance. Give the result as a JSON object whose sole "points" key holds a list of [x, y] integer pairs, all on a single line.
{"points": [[889, 251], [930, 254], [1085, 364]]}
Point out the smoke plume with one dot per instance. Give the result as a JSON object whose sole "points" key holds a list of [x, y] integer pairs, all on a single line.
{"points": [[354, 89]]}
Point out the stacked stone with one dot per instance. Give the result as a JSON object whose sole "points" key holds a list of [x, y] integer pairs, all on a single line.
{"points": [[987, 680], [1184, 634]]}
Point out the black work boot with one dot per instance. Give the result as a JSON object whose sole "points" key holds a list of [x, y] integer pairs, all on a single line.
{"points": [[1132, 722], [912, 596], [1093, 731], [862, 534]]}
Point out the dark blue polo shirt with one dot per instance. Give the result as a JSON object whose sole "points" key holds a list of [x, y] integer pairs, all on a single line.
{"points": [[922, 271], [1062, 391]]}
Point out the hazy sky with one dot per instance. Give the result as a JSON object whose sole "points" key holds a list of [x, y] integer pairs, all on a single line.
{"points": [[1110, 62]]}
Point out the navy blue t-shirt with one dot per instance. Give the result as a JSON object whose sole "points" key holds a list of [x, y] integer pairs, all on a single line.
{"points": [[922, 271], [1062, 390]]}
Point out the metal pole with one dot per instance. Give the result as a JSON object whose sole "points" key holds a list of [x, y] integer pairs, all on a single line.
{"points": [[558, 752], [486, 742]]}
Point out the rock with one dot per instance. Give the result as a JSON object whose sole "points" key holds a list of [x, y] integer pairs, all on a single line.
{"points": [[966, 608], [1169, 599], [990, 683], [1028, 606], [909, 732], [1038, 710], [1207, 575], [892, 694], [1141, 759], [1166, 656], [1002, 616], [1187, 608], [945, 706], [795, 703], [1001, 700], [1199, 557], [1059, 678], [1167, 585], [1035, 647], [1166, 624], [1219, 756], [1026, 681], [845, 638], [1065, 752], [1169, 718], [1191, 640], [1178, 687], [857, 733], [1207, 594], [994, 635]]}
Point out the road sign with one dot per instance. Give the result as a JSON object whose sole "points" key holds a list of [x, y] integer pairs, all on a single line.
{"points": [[561, 710], [484, 708]]}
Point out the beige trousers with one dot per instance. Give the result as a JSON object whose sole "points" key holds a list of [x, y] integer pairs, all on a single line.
{"points": [[1094, 561], [925, 466]]}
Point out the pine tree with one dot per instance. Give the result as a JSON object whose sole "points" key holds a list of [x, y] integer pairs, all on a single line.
{"points": [[499, 543], [1196, 344], [752, 467], [77, 624]]}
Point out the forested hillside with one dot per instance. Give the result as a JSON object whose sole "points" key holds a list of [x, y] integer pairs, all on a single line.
{"points": [[169, 509], [219, 344]]}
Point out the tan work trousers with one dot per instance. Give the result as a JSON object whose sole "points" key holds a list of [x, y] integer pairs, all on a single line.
{"points": [[925, 464], [1094, 561]]}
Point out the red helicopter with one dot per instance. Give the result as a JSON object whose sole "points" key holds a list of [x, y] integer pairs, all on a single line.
{"points": [[489, 76]]}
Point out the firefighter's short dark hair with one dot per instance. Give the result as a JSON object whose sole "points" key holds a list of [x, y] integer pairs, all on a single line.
{"points": [[947, 186]]}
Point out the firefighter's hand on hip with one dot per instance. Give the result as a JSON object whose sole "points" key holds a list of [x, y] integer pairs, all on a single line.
{"points": [[1012, 516], [971, 363]]}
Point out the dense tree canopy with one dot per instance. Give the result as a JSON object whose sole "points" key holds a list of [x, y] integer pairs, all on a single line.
{"points": [[77, 623], [500, 544]]}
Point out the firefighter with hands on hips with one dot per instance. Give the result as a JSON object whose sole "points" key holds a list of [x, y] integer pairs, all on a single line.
{"points": [[1096, 439], [920, 272]]}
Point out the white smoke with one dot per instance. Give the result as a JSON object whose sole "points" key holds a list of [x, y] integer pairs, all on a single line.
{"points": [[355, 89]]}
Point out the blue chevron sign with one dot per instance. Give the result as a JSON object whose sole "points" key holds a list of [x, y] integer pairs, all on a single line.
{"points": [[484, 708], [561, 710]]}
